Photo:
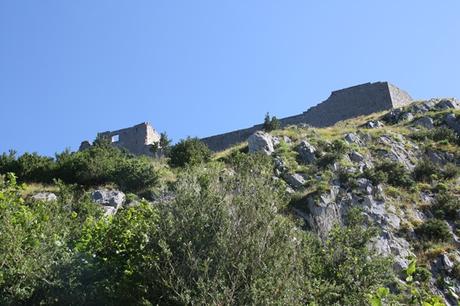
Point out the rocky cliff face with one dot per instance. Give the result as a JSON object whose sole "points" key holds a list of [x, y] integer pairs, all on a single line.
{"points": [[400, 168]]}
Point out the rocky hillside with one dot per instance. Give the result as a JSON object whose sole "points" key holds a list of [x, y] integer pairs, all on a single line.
{"points": [[401, 168], [364, 212]]}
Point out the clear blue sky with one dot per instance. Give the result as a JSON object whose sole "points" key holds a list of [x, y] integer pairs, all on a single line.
{"points": [[69, 69]]}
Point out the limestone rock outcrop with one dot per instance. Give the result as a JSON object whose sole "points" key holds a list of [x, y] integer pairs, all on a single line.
{"points": [[261, 142]]}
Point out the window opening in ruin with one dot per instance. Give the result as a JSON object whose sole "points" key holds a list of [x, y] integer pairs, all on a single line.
{"points": [[115, 138]]}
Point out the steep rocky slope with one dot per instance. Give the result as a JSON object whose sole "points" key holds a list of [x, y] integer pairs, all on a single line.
{"points": [[401, 168]]}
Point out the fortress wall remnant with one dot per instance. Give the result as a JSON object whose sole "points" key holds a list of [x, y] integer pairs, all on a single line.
{"points": [[342, 104], [399, 97], [223, 141], [136, 139], [349, 103]]}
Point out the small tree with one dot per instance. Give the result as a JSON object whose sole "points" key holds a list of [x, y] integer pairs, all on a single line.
{"points": [[190, 151], [272, 123], [164, 144]]}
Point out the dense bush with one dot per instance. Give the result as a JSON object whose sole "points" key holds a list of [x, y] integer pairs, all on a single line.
{"points": [[339, 146], [29, 167], [390, 172], [451, 171], [348, 270], [190, 151], [434, 230], [425, 171], [99, 164], [446, 206], [36, 244], [223, 240], [327, 159], [443, 134], [439, 134]]}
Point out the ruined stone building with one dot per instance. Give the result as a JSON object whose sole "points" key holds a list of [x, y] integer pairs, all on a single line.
{"points": [[137, 139], [342, 104]]}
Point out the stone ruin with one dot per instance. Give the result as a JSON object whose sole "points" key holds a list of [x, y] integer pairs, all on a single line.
{"points": [[342, 104], [137, 139]]}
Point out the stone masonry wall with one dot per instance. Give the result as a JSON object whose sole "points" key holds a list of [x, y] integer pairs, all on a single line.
{"points": [[137, 139], [342, 104]]}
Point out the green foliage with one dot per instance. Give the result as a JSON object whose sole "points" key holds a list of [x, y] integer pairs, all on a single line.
{"points": [[349, 270], [438, 134], [102, 164], [422, 275], [190, 151], [434, 230], [426, 170], [8, 162], [414, 294], [390, 172], [271, 124], [223, 240], [99, 164], [443, 133], [446, 206], [327, 159], [339, 146], [29, 167], [289, 156], [35, 242], [164, 144], [119, 254], [451, 171]]}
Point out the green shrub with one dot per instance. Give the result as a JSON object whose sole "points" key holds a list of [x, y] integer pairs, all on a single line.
{"points": [[443, 134], [422, 275], [347, 178], [29, 167], [446, 206], [434, 230], [135, 174], [190, 151], [376, 176], [9, 163], [426, 170], [164, 145], [102, 164], [36, 244], [339, 146], [328, 159], [389, 172], [451, 171], [350, 271]]}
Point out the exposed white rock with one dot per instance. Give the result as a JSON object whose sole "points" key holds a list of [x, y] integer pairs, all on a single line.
{"points": [[113, 198], [306, 152], [353, 138], [261, 142], [356, 157], [295, 180], [447, 104], [425, 122], [44, 196]]}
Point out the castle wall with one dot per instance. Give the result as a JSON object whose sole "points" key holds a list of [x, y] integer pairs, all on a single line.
{"points": [[342, 104], [349, 103], [137, 139], [222, 141], [399, 97]]}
